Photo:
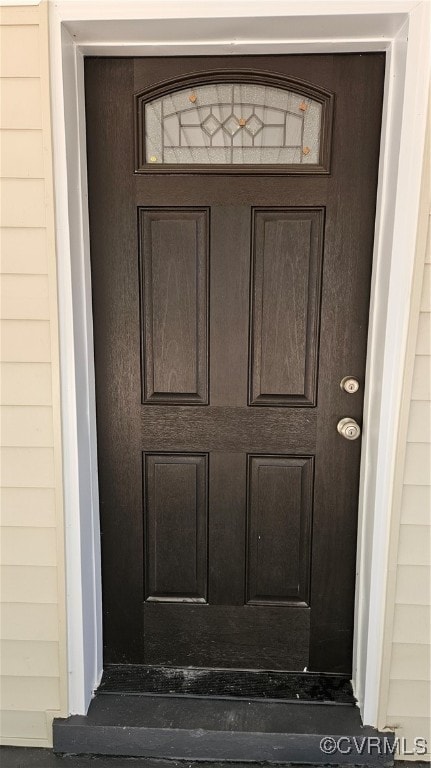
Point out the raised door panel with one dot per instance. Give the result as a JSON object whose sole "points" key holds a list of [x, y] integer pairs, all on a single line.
{"points": [[285, 298], [227, 636], [174, 292], [279, 512], [176, 515]]}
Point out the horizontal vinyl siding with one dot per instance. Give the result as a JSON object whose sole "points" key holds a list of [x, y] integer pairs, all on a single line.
{"points": [[24, 297], [409, 694], [421, 379], [29, 621], [416, 504], [411, 661], [24, 341], [14, 40], [23, 202], [413, 586], [27, 467], [420, 422], [26, 383], [414, 539], [21, 104], [29, 546], [409, 698], [23, 251], [14, 724], [32, 642], [24, 583], [28, 507], [412, 624], [26, 425], [23, 693], [29, 659], [22, 154]]}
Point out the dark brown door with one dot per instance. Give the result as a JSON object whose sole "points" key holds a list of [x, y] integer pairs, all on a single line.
{"points": [[232, 206]]}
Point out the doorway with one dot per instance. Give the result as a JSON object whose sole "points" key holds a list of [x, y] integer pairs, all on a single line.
{"points": [[232, 204]]}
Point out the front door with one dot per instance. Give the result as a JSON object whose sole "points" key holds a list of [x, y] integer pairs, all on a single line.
{"points": [[232, 205]]}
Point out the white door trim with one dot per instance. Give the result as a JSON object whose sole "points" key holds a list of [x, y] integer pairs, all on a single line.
{"points": [[256, 26]]}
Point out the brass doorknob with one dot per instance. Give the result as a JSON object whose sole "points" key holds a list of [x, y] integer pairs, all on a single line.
{"points": [[349, 428]]}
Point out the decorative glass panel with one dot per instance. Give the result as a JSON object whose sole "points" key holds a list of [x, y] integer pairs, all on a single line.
{"points": [[233, 124]]}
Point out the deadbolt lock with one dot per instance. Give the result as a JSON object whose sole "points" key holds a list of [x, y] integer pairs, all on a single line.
{"points": [[349, 428], [349, 384]]}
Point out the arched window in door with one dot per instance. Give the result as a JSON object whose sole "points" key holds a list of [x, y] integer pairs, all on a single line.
{"points": [[234, 124]]}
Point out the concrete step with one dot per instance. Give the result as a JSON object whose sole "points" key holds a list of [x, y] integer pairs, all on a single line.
{"points": [[187, 728]]}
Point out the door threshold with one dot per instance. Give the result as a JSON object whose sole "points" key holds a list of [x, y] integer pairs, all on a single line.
{"points": [[270, 685], [208, 729]]}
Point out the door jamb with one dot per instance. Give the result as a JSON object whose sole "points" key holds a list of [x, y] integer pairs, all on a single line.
{"points": [[125, 28]]}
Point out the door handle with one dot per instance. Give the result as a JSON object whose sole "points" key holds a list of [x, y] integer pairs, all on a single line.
{"points": [[349, 428], [349, 384]]}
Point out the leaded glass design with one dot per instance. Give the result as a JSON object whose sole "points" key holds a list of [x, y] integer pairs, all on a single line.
{"points": [[231, 123]]}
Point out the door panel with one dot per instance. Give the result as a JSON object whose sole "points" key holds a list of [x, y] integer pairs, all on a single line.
{"points": [[286, 306], [174, 275], [228, 305], [226, 636], [176, 513], [279, 515]]}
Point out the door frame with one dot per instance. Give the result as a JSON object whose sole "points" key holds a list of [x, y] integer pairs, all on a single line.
{"points": [[114, 28]]}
